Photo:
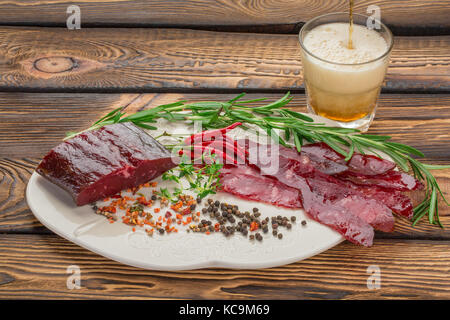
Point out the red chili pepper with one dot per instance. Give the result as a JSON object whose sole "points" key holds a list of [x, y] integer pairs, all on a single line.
{"points": [[225, 146], [208, 134]]}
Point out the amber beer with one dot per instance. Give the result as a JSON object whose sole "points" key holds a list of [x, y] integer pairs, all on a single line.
{"points": [[342, 77]]}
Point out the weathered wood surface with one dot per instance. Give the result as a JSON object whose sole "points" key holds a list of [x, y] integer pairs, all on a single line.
{"points": [[35, 266], [39, 121], [415, 13], [155, 60]]}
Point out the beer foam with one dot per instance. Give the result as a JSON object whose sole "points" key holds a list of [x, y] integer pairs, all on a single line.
{"points": [[330, 42]]}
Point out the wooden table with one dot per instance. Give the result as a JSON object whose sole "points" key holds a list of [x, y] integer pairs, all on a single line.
{"points": [[145, 53]]}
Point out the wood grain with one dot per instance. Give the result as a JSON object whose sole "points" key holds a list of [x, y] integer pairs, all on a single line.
{"points": [[414, 13], [39, 121], [409, 270], [150, 60]]}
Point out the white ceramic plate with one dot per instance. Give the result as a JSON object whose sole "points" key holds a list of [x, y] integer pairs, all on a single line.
{"points": [[55, 209]]}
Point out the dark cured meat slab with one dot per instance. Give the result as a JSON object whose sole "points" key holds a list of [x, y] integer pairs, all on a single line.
{"points": [[100, 163], [248, 183]]}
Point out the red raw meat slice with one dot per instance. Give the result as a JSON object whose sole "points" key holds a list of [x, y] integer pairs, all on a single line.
{"points": [[335, 192], [322, 154], [395, 200], [328, 161], [299, 174], [371, 210], [395, 180], [99, 163], [327, 210], [325, 165], [248, 183]]}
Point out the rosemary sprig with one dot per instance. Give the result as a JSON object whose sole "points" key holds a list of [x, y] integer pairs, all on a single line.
{"points": [[274, 115]]}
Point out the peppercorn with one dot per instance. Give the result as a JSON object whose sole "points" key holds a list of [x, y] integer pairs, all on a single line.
{"points": [[258, 236], [255, 209], [304, 223], [274, 232], [293, 218], [252, 237], [280, 235], [289, 226], [153, 197]]}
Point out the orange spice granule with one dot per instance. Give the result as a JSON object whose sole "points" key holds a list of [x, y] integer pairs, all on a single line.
{"points": [[253, 226], [157, 210]]}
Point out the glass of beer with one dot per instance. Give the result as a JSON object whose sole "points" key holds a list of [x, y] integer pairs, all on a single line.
{"points": [[344, 65]]}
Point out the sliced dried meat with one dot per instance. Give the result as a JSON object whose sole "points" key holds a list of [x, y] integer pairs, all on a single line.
{"points": [[398, 202], [395, 180], [315, 152], [324, 207], [337, 193], [322, 154], [97, 164], [248, 183], [327, 160]]}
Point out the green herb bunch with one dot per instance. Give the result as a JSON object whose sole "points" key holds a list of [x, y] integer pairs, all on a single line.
{"points": [[203, 179]]}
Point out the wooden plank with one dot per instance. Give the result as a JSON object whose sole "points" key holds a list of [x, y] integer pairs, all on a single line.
{"points": [[416, 13], [409, 270], [40, 120], [137, 60]]}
